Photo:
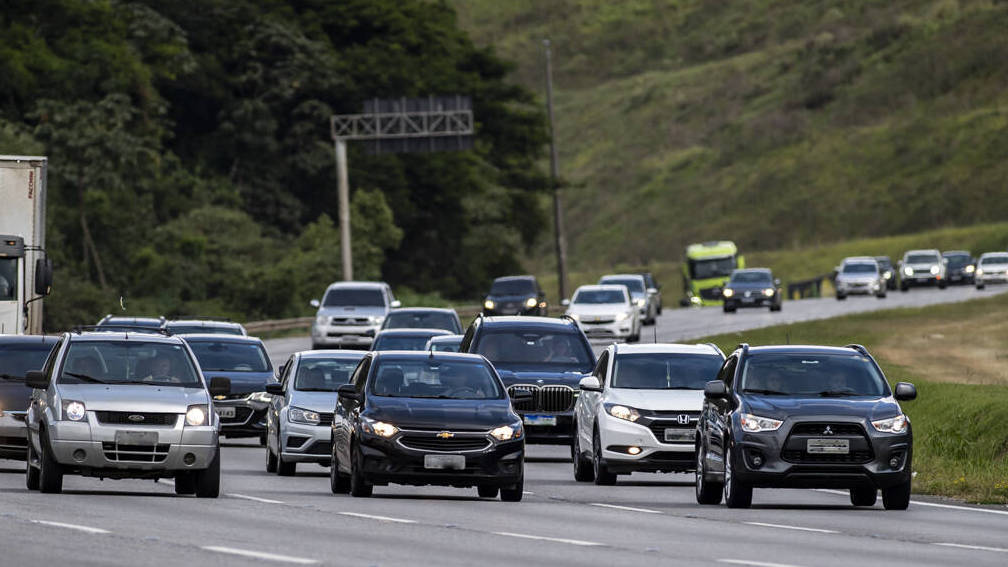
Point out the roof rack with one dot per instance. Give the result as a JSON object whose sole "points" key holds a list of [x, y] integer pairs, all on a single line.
{"points": [[744, 347], [117, 328], [212, 319], [716, 348], [858, 348]]}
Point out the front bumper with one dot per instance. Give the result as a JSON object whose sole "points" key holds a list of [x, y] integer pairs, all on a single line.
{"points": [[300, 443], [858, 288], [13, 435], [989, 278], [754, 300], [607, 330], [389, 461], [352, 336], [249, 420], [617, 436], [920, 279]]}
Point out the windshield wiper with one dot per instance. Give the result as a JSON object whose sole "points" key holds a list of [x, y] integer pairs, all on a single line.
{"points": [[764, 392], [85, 377], [837, 393]]}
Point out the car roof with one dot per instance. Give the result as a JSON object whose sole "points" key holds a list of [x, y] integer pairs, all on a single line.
{"points": [[100, 335], [956, 253], [665, 348], [445, 338], [859, 259], [26, 339], [417, 332], [221, 338], [750, 270], [136, 321], [512, 278], [333, 353], [367, 285], [527, 321], [425, 310], [620, 276], [801, 349], [923, 251], [427, 355], [203, 322], [711, 249], [993, 255], [601, 287]]}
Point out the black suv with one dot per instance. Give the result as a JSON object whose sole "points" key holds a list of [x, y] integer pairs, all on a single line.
{"points": [[888, 271], [752, 287], [18, 355], [804, 417], [960, 267], [515, 295], [542, 356]]}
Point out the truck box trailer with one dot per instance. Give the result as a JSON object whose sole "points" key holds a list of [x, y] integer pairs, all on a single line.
{"points": [[25, 270]]}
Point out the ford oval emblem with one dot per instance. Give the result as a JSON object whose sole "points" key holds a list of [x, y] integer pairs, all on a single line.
{"points": [[136, 417]]}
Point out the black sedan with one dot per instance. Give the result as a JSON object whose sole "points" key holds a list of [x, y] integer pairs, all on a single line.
{"points": [[18, 355], [960, 267], [752, 287], [427, 418], [804, 417]]}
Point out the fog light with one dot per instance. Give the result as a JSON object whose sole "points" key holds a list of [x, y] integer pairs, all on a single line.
{"points": [[189, 458], [634, 450], [79, 455], [757, 461]]}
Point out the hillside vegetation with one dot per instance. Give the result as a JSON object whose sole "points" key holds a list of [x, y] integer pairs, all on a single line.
{"points": [[776, 123]]}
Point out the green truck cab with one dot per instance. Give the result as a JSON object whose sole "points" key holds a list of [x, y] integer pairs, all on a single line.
{"points": [[706, 268]]}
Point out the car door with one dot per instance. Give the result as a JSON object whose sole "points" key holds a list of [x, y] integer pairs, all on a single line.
{"points": [[39, 398], [588, 402], [716, 419], [277, 403], [346, 414]]}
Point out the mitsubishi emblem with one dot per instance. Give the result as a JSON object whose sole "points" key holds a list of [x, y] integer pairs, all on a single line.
{"points": [[828, 431]]}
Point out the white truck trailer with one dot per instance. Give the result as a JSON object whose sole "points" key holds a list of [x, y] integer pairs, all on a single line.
{"points": [[25, 271]]}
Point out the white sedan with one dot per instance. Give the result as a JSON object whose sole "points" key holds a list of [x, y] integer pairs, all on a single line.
{"points": [[605, 312]]}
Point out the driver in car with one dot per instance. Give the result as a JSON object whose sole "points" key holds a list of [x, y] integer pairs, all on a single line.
{"points": [[160, 371], [456, 385]]}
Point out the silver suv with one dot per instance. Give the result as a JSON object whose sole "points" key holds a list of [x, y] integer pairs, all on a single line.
{"points": [[123, 405], [922, 267], [860, 275], [350, 314]]}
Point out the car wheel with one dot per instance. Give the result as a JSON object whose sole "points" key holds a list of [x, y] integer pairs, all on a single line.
{"points": [[904, 287], [285, 468], [896, 497], [729, 309], [863, 496], [775, 307], [707, 492], [271, 461], [338, 482], [736, 494], [50, 472], [980, 286], [514, 492], [881, 295], [841, 297], [262, 439], [942, 284], [487, 491], [31, 472], [185, 483], [359, 486], [602, 475], [208, 479], [583, 471]]}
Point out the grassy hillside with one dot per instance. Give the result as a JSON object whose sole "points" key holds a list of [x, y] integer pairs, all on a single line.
{"points": [[776, 123]]}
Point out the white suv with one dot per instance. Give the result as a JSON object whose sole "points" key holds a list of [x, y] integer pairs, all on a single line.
{"points": [[350, 314], [991, 268], [859, 275], [605, 312], [638, 410]]}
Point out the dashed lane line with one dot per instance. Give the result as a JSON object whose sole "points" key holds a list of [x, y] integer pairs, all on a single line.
{"points": [[626, 508], [976, 547], [260, 555], [77, 527], [254, 498], [379, 518], [787, 527], [551, 539]]}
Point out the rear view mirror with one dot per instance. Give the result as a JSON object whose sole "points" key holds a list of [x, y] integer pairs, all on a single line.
{"points": [[715, 389], [275, 389], [219, 386], [776, 281], [905, 391], [348, 391], [565, 302], [590, 384], [43, 276], [36, 379], [314, 303], [652, 290], [396, 304]]}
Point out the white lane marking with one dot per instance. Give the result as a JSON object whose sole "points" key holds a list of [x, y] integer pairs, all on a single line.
{"points": [[552, 539], [255, 498], [379, 518], [261, 555], [931, 504], [627, 508], [167, 481], [754, 563], [78, 527], [787, 527], [978, 547], [527, 492]]}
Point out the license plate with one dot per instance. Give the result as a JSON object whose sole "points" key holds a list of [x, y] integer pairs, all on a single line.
{"points": [[748, 299], [225, 412], [444, 462], [540, 419], [350, 338], [136, 437], [679, 435], [828, 446]]}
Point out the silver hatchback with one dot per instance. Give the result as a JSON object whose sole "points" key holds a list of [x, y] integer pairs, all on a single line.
{"points": [[123, 405]]}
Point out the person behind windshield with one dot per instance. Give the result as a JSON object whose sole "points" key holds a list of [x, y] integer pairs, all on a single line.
{"points": [[87, 366], [161, 371], [561, 351], [456, 385]]}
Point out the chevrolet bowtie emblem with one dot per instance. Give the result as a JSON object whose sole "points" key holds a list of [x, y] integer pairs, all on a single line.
{"points": [[219, 397], [446, 435]]}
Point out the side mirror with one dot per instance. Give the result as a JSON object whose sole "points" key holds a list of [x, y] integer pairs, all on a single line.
{"points": [[590, 384], [521, 396], [43, 276], [905, 391], [715, 390], [275, 388], [565, 302], [652, 290], [36, 379], [347, 391], [314, 303], [219, 386], [776, 281], [396, 304]]}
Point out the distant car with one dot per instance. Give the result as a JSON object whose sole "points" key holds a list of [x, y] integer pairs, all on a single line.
{"points": [[423, 318], [752, 287], [960, 267], [245, 363], [992, 268], [605, 312], [116, 323], [922, 267], [654, 290], [427, 419], [859, 275], [350, 314], [205, 327], [888, 271], [444, 343], [300, 416], [515, 295], [646, 302], [638, 410], [18, 355], [405, 339]]}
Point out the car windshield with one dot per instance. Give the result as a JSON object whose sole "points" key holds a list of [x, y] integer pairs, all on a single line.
{"points": [[16, 359], [513, 287], [599, 296], [204, 329], [444, 346], [751, 277], [323, 374], [922, 259], [805, 375], [884, 263], [421, 320], [225, 356], [535, 347], [712, 268], [357, 297], [664, 371], [128, 362], [958, 260], [440, 379], [400, 342], [995, 260], [863, 268], [633, 284]]}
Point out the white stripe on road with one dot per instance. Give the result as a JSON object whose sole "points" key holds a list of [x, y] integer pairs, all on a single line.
{"points": [[379, 518], [754, 563], [261, 555], [552, 539], [627, 508], [255, 499], [786, 527], [85, 529], [527, 492], [167, 481], [978, 547], [931, 504]]}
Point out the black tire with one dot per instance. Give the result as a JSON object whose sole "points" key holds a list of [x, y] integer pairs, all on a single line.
{"points": [[50, 472], [707, 492], [31, 473], [285, 468], [896, 497], [271, 461], [208, 479], [359, 486], [863, 496], [840, 297], [942, 284], [339, 483], [736, 494], [583, 471], [514, 492], [486, 491], [262, 439], [185, 483], [728, 309], [602, 475], [881, 295], [775, 307], [904, 287], [980, 286]]}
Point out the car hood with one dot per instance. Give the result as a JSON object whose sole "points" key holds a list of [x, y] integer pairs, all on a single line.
{"points": [[14, 396], [856, 277], [242, 382], [565, 375], [658, 400], [750, 286], [314, 401], [420, 413], [781, 408], [510, 298], [922, 265], [352, 311], [158, 399], [599, 309]]}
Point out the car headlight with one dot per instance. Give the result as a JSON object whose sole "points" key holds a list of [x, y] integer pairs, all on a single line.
{"points": [[896, 424], [754, 423], [376, 319], [640, 301], [622, 412], [908, 271], [74, 410], [321, 320], [769, 292], [379, 428], [507, 432], [621, 316], [488, 304], [727, 292], [934, 270], [299, 415], [887, 275], [531, 302], [261, 397], [970, 269], [196, 415], [979, 271]]}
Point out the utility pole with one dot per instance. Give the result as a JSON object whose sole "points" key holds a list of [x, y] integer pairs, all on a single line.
{"points": [[344, 208], [561, 242]]}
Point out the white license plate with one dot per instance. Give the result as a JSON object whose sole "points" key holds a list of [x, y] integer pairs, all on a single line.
{"points": [[828, 446], [444, 462], [679, 435], [225, 412], [136, 437], [540, 419], [350, 338]]}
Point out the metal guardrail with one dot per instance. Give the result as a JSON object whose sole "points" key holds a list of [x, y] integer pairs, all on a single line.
{"points": [[807, 288], [465, 312]]}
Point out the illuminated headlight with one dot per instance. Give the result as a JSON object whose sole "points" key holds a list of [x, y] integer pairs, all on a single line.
{"points": [[621, 316], [695, 300], [727, 292], [908, 271], [622, 412], [887, 275], [755, 424], [639, 302], [531, 302], [261, 397], [196, 415], [896, 424], [321, 320], [768, 292], [376, 319], [299, 415], [934, 270], [74, 410], [379, 428], [507, 432], [489, 304], [979, 271], [970, 269]]}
